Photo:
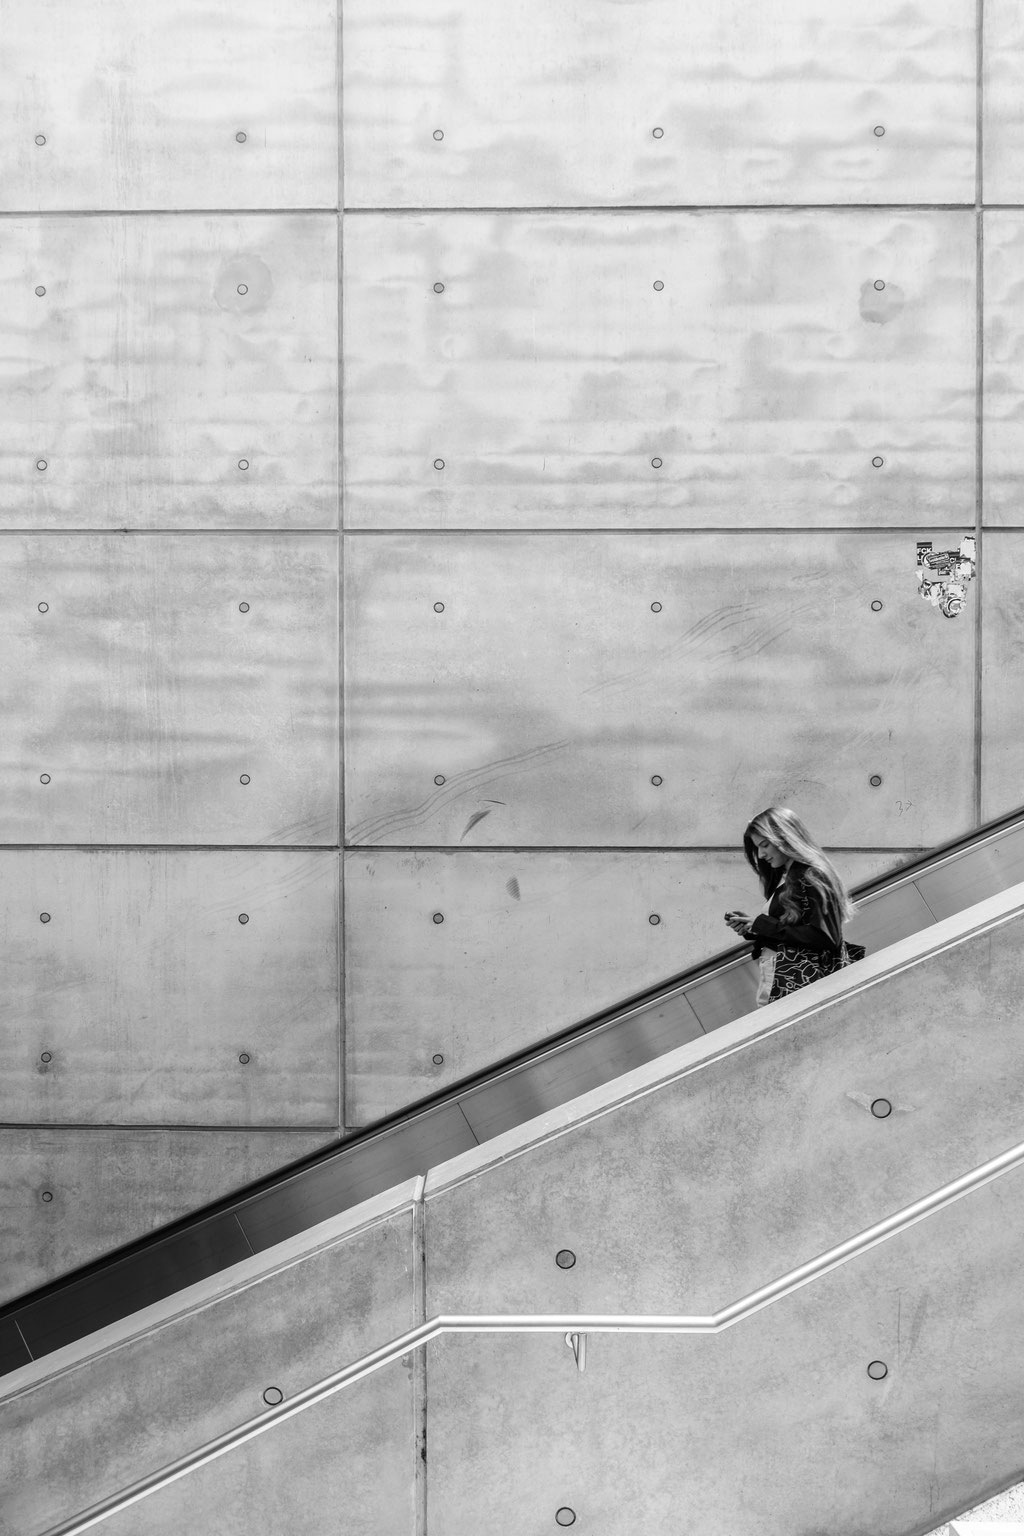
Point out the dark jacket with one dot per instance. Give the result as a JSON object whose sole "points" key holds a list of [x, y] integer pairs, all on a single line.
{"points": [[813, 931]]}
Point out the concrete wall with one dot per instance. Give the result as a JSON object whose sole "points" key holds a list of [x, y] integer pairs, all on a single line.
{"points": [[612, 336], [681, 1188]]}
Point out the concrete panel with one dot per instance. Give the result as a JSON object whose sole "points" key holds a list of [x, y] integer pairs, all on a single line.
{"points": [[531, 943], [346, 1467], [771, 1428], [690, 1196], [111, 1186], [141, 106], [560, 387], [132, 1408], [1004, 375], [145, 694], [549, 694], [1002, 679], [145, 988], [1003, 98], [533, 105], [149, 358]]}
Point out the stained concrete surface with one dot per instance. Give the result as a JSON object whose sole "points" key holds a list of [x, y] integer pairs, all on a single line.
{"points": [[110, 1186], [770, 1427], [540, 107], [531, 943], [1003, 98], [136, 1000], [549, 691], [1004, 344], [689, 1197], [140, 1404], [1002, 679], [560, 388], [146, 694], [140, 106], [150, 358]]}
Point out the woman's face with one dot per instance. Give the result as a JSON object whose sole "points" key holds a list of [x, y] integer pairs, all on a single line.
{"points": [[768, 853]]}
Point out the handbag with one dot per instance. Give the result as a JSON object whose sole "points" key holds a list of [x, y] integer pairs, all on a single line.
{"points": [[795, 967]]}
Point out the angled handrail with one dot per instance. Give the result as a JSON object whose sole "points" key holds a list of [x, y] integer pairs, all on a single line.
{"points": [[416, 1338]]}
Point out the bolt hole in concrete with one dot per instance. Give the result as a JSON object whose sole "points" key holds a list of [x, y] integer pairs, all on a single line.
{"points": [[655, 463], [44, 778], [243, 277], [272, 1396], [243, 463], [439, 287], [40, 292], [439, 779], [565, 1516], [40, 463], [657, 133], [243, 917], [438, 917], [439, 134], [439, 607], [658, 287], [245, 1058], [44, 917], [240, 138], [654, 919], [40, 138], [438, 1060], [46, 1056], [244, 779], [47, 1196], [565, 1258], [655, 607], [879, 132], [876, 606], [878, 461], [878, 1370], [243, 607], [881, 1109], [44, 607], [439, 463], [657, 779], [876, 779]]}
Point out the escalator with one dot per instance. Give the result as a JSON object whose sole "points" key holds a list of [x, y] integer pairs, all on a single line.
{"points": [[907, 900]]}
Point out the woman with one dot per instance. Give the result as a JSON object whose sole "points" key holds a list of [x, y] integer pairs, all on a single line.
{"points": [[798, 935]]}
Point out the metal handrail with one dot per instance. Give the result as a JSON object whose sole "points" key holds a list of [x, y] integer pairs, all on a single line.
{"points": [[421, 1335]]}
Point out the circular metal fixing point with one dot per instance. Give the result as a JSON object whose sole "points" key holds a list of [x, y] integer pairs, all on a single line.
{"points": [[878, 1370], [877, 461], [657, 779], [438, 917], [438, 1060], [243, 288], [439, 134], [243, 463], [40, 463], [243, 607], [245, 1058], [439, 287], [243, 917], [439, 778], [657, 133], [272, 1396], [876, 779], [658, 287], [655, 607], [879, 132], [881, 1109], [655, 463], [879, 284], [240, 138], [439, 463], [47, 1196], [439, 607], [565, 1516], [40, 138], [44, 778], [244, 779], [565, 1258], [876, 606], [46, 1056], [43, 607], [44, 917], [654, 919], [40, 292]]}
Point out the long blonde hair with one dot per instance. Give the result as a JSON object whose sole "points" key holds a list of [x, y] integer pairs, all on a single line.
{"points": [[785, 831]]}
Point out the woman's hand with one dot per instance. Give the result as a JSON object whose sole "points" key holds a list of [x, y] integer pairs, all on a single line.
{"points": [[739, 922]]}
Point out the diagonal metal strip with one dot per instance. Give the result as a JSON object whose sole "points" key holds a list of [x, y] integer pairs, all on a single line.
{"points": [[784, 1286]]}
